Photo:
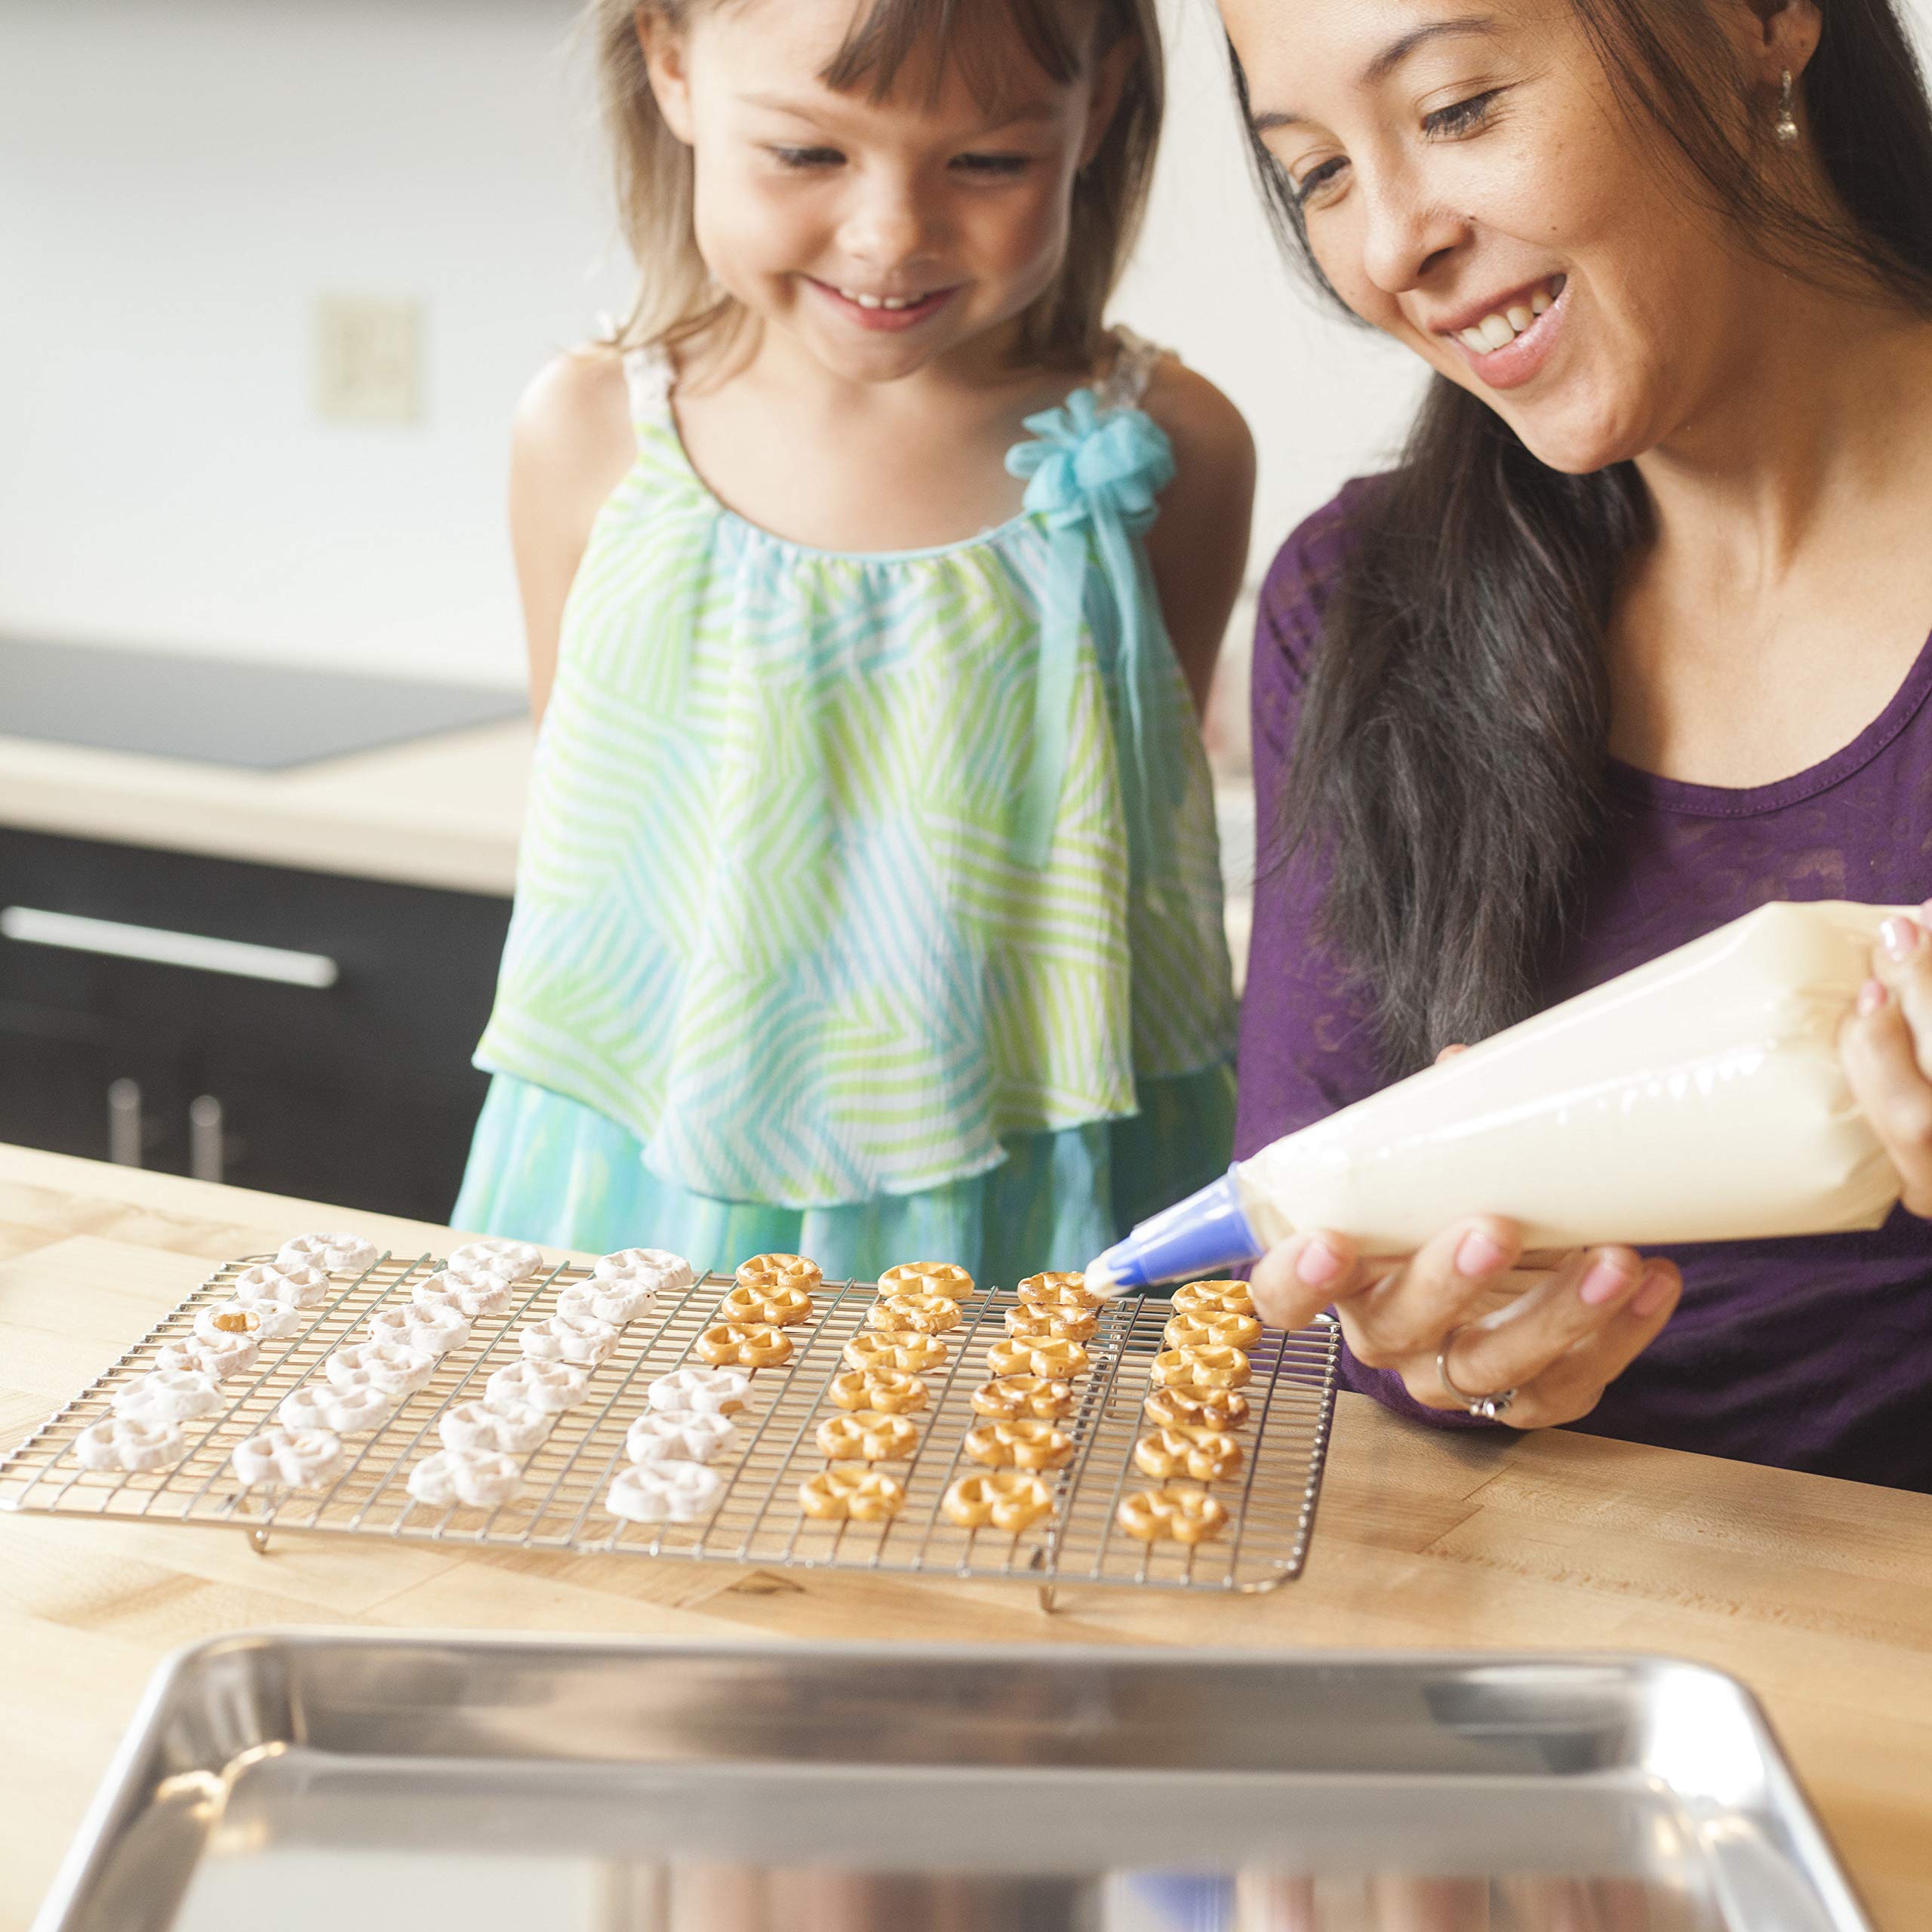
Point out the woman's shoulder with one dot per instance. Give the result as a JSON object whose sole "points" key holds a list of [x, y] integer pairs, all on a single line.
{"points": [[1302, 578]]}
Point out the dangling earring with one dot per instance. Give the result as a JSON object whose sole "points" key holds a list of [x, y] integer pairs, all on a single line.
{"points": [[1787, 129]]}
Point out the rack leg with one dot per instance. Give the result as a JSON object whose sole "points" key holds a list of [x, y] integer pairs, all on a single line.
{"points": [[1049, 1599], [258, 1540]]}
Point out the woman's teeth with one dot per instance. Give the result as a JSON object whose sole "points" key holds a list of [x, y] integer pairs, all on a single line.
{"points": [[1494, 331], [881, 301]]}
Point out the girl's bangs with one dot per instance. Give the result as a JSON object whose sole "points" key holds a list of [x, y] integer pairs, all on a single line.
{"points": [[971, 35]]}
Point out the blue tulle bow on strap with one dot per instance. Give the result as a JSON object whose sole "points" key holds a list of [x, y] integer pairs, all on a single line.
{"points": [[1093, 468]]}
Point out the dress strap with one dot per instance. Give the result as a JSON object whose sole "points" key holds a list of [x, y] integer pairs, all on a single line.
{"points": [[649, 376], [1135, 361]]}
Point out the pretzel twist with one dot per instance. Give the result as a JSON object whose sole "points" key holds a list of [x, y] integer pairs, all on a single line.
{"points": [[1013, 1398], [928, 1278], [866, 1496], [394, 1369], [650, 1271], [1008, 1499], [335, 1254], [777, 1306], [219, 1359], [170, 1395], [297, 1458], [665, 1492], [867, 1435], [478, 1478], [514, 1430], [1207, 1455], [688, 1438], [1197, 1408], [551, 1386], [1045, 1320], [1028, 1445], [1059, 1290], [743, 1345], [580, 1339], [1182, 1515], [291, 1284], [1214, 1298], [435, 1331], [1198, 1369], [780, 1271], [912, 1354], [913, 1313], [136, 1443], [1212, 1331], [603, 1298], [889, 1390], [1055, 1358], [475, 1291], [704, 1391], [508, 1260], [351, 1411]]}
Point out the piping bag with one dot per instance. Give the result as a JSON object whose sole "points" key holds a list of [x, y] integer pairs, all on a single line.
{"points": [[1697, 1097]]}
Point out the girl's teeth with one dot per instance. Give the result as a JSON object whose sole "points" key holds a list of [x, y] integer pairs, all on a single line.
{"points": [[880, 301]]}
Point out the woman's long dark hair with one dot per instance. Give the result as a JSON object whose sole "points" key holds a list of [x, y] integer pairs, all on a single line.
{"points": [[1450, 759]]}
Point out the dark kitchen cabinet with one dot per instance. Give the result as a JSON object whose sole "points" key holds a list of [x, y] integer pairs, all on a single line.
{"points": [[358, 1091]]}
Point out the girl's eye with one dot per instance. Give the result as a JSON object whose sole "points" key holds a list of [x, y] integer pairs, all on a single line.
{"points": [[807, 157], [1461, 117], [996, 164], [1311, 185]]}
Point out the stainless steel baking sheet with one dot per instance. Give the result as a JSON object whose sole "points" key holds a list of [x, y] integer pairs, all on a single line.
{"points": [[368, 1784]]}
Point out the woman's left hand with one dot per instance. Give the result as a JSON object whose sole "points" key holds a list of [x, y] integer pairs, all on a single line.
{"points": [[1886, 1043]]}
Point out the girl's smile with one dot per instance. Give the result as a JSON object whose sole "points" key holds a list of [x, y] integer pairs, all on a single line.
{"points": [[885, 312]]}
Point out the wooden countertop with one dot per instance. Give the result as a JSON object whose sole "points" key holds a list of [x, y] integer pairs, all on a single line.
{"points": [[1817, 1594], [445, 810]]}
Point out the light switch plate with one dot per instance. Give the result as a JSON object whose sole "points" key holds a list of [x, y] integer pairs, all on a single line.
{"points": [[368, 359]]}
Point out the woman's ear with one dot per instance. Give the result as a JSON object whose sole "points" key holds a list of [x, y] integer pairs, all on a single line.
{"points": [[1110, 73], [663, 49], [1778, 36]]}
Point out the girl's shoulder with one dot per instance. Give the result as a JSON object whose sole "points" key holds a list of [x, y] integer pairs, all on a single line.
{"points": [[1207, 432], [573, 419]]}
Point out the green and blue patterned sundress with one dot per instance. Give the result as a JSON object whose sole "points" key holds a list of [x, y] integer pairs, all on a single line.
{"points": [[868, 906]]}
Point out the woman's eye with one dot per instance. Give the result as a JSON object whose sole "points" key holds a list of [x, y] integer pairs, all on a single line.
{"points": [[994, 165], [1309, 188], [1461, 117], [807, 157]]}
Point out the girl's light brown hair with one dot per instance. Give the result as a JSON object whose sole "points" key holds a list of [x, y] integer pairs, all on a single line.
{"points": [[677, 299]]}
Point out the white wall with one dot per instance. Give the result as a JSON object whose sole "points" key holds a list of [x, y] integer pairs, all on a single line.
{"points": [[179, 179]]}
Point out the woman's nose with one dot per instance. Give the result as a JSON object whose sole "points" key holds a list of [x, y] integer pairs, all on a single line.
{"points": [[1408, 233]]}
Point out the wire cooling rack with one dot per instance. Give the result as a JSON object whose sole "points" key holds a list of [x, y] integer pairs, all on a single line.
{"points": [[1271, 1501]]}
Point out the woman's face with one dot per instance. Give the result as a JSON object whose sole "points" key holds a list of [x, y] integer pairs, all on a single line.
{"points": [[1472, 186]]}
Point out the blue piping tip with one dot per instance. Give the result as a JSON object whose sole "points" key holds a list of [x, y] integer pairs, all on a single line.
{"points": [[1194, 1237]]}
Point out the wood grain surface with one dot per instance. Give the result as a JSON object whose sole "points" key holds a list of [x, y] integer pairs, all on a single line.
{"points": [[1817, 1594]]}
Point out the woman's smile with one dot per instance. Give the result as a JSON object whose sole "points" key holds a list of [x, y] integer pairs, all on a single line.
{"points": [[1512, 337]]}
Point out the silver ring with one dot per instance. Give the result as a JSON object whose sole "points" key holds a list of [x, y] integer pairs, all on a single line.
{"points": [[1484, 1408]]}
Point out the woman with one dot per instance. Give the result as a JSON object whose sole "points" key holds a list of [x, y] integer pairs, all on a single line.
{"points": [[1634, 639]]}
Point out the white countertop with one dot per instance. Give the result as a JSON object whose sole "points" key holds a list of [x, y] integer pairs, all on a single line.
{"points": [[440, 811]]}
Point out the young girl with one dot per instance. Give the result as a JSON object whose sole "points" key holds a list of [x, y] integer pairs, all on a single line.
{"points": [[869, 905]]}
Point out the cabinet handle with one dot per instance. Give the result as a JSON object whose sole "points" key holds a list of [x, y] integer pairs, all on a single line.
{"points": [[123, 1124], [204, 1138], [33, 926]]}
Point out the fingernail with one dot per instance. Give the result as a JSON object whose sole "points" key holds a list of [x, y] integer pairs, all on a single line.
{"points": [[1480, 1252], [1604, 1282], [1900, 937], [1871, 998], [1317, 1265], [1652, 1295]]}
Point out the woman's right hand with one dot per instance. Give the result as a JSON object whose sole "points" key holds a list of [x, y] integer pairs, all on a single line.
{"points": [[1556, 1329]]}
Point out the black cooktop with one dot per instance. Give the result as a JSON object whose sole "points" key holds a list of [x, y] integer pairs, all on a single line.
{"points": [[221, 711]]}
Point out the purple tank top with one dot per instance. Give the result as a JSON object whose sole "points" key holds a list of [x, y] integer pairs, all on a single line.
{"points": [[1813, 1353]]}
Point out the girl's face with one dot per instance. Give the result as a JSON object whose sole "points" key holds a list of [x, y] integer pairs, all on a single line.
{"points": [[1472, 185], [882, 234]]}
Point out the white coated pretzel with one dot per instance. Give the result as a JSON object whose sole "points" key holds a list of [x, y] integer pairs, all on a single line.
{"points": [[435, 1331], [679, 1439], [396, 1370], [219, 1359], [551, 1386], [170, 1395], [272, 1280], [702, 1391], [351, 1411], [335, 1254], [135, 1442], [474, 1291], [511, 1260], [514, 1430], [483, 1478], [656, 1270], [616, 1302], [582, 1339], [665, 1492], [223, 1322], [297, 1458]]}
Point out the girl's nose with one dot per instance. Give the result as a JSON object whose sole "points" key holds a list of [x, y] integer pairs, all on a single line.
{"points": [[1408, 233], [886, 224]]}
